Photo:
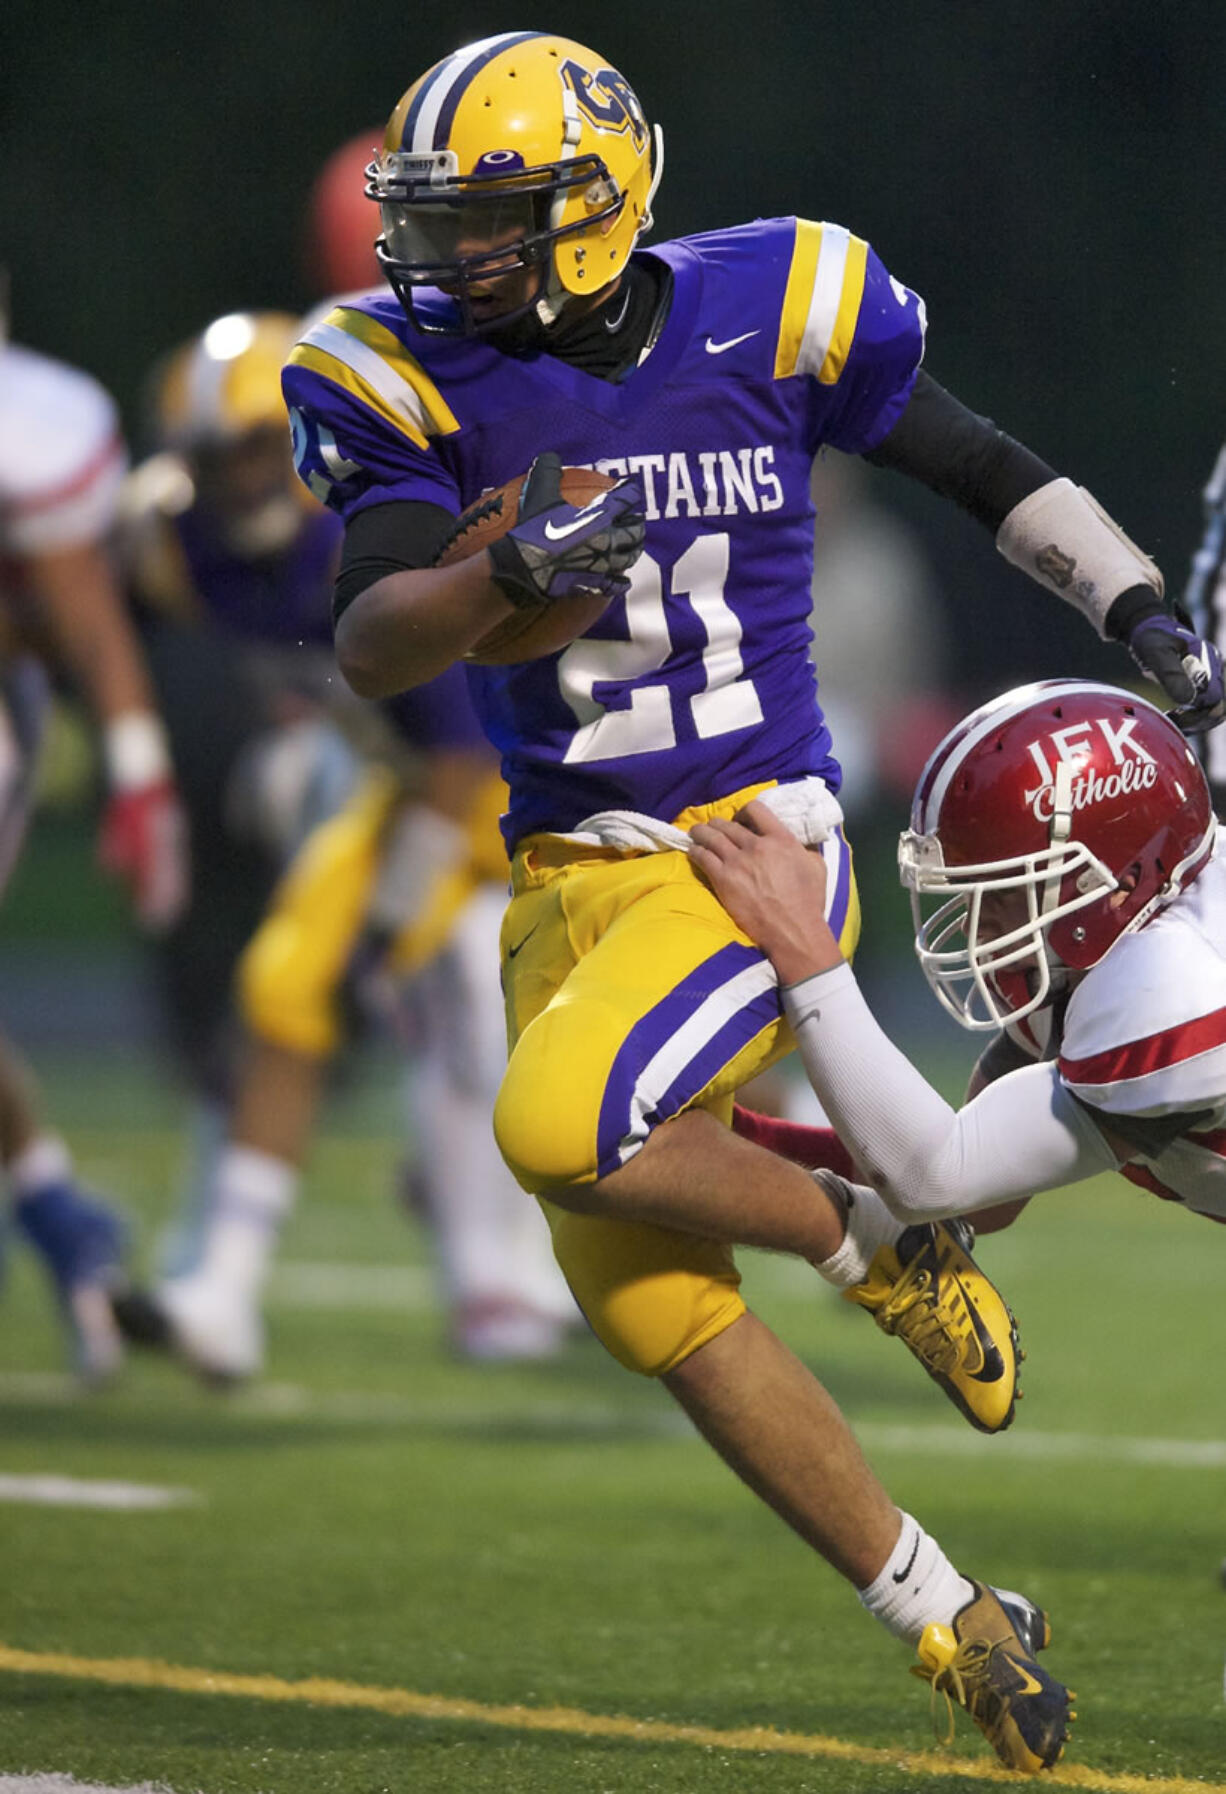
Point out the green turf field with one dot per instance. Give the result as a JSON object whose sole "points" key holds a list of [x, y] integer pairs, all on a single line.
{"points": [[518, 1580]]}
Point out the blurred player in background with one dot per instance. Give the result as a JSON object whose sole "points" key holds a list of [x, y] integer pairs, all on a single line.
{"points": [[230, 569], [395, 898], [62, 461], [523, 331], [391, 908], [882, 641]]}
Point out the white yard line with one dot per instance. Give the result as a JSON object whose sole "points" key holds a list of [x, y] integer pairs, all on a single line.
{"points": [[68, 1784], [78, 1491], [304, 1284], [413, 1288], [1183, 1454], [358, 1407]]}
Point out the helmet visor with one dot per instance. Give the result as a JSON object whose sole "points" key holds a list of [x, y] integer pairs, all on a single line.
{"points": [[481, 234]]}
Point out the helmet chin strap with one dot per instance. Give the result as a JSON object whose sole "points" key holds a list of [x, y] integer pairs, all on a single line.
{"points": [[266, 531], [550, 305], [646, 221], [553, 297]]}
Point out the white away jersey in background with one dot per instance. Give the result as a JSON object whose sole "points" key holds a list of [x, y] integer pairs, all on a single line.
{"points": [[61, 455]]}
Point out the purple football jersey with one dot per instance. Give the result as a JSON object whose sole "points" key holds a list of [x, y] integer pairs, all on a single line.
{"points": [[782, 336], [283, 599]]}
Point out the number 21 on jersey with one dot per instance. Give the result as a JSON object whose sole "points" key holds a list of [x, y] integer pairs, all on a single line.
{"points": [[645, 724]]}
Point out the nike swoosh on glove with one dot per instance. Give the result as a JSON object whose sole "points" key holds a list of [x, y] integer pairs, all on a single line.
{"points": [[558, 550]]}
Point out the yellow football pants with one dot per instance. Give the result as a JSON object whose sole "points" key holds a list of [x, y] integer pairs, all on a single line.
{"points": [[632, 995], [290, 973]]}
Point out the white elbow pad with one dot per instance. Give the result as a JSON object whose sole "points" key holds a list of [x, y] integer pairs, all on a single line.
{"points": [[1062, 537]]}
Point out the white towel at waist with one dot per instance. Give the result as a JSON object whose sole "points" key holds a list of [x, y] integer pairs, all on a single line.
{"points": [[807, 807]]}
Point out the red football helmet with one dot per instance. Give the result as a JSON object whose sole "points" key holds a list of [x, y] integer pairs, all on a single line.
{"points": [[1049, 823], [341, 224]]}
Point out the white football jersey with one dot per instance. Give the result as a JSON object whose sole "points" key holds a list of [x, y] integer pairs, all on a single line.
{"points": [[62, 457], [1144, 1044]]}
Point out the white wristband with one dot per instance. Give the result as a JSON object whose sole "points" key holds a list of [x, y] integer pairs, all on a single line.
{"points": [[1061, 536], [135, 749]]}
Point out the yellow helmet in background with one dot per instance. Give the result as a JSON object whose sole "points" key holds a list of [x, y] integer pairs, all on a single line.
{"points": [[217, 414], [524, 150], [225, 382]]}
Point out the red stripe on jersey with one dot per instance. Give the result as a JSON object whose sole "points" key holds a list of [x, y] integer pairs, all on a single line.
{"points": [[1213, 1141], [80, 482], [1154, 1053]]}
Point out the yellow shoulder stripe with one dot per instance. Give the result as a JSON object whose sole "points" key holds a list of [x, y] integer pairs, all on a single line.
{"points": [[797, 296], [821, 304], [391, 350], [366, 360]]}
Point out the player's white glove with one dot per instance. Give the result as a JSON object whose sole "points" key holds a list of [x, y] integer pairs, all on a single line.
{"points": [[559, 550]]}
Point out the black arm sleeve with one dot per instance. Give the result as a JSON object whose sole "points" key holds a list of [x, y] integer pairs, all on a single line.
{"points": [[939, 442], [391, 538]]}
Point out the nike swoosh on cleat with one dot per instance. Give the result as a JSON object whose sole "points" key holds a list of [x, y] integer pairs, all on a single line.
{"points": [[714, 348], [993, 1363], [1030, 1685], [585, 516]]}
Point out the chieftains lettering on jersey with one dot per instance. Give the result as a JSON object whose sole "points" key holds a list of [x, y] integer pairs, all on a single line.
{"points": [[1136, 768], [712, 483]]}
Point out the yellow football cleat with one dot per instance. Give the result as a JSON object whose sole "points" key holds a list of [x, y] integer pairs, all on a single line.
{"points": [[927, 1289], [985, 1662]]}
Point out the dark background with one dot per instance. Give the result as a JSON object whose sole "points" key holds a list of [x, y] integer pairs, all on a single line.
{"points": [[1049, 177]]}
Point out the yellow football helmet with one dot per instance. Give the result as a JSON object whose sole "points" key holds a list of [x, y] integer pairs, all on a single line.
{"points": [[217, 408], [225, 382], [521, 152]]}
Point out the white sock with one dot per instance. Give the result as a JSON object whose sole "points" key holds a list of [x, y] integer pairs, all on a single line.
{"points": [[491, 1237], [46, 1160], [870, 1225], [916, 1586], [253, 1194]]}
